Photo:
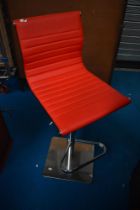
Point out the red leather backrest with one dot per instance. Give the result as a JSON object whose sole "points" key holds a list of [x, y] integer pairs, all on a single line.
{"points": [[50, 40]]}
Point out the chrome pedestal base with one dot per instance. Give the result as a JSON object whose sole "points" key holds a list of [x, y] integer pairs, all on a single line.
{"points": [[83, 152]]}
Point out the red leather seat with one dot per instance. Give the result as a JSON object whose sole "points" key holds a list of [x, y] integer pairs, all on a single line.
{"points": [[51, 46]]}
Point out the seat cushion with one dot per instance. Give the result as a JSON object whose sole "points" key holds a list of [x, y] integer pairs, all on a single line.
{"points": [[75, 98]]}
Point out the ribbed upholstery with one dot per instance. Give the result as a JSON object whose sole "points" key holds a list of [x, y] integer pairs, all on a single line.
{"points": [[51, 46]]}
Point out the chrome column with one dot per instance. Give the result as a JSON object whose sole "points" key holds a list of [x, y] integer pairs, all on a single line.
{"points": [[71, 142]]}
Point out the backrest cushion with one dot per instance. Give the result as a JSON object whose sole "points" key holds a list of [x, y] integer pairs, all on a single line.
{"points": [[49, 42]]}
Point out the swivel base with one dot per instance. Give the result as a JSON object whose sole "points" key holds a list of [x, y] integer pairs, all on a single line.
{"points": [[83, 152]]}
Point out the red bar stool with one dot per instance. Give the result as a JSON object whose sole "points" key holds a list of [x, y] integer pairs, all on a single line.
{"points": [[51, 47]]}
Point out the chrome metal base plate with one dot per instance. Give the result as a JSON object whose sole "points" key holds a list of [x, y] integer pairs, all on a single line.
{"points": [[82, 153]]}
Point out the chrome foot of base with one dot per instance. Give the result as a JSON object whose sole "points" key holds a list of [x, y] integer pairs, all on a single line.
{"points": [[83, 152]]}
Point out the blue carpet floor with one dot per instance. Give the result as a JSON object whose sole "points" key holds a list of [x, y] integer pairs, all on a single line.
{"points": [[22, 186]]}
